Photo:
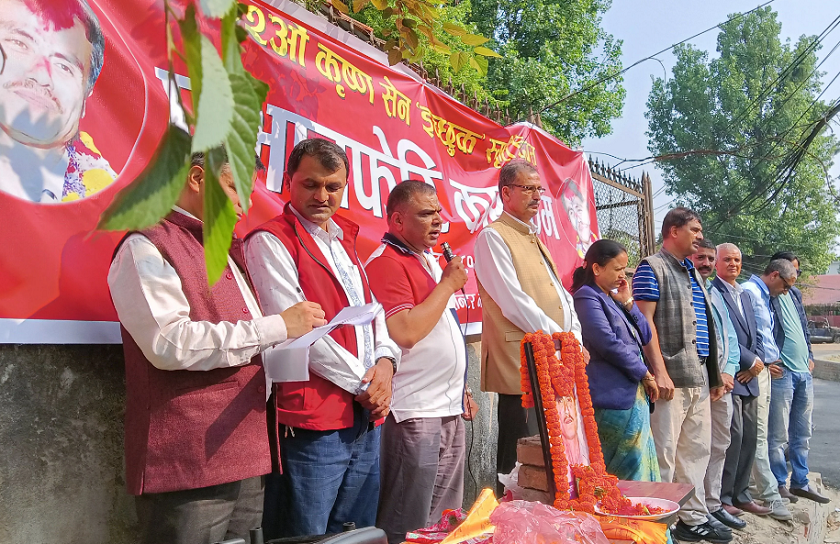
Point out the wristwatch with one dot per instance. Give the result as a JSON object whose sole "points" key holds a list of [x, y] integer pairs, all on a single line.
{"points": [[628, 303]]}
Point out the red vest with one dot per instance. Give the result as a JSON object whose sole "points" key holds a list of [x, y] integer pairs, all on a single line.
{"points": [[185, 429], [318, 404]]}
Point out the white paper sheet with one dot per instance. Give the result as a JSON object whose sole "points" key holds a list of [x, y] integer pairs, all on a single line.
{"points": [[289, 360]]}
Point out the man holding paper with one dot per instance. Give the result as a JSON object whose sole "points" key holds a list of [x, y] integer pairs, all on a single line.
{"points": [[196, 446], [329, 442], [423, 447]]}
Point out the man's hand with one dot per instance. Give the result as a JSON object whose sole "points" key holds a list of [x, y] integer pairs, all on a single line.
{"points": [[756, 369], [716, 393], [744, 376], [377, 398], [455, 274], [470, 407], [665, 385], [776, 370], [586, 356], [811, 366], [728, 382], [302, 318]]}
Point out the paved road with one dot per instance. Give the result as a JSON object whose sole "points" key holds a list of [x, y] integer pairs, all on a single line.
{"points": [[825, 443]]}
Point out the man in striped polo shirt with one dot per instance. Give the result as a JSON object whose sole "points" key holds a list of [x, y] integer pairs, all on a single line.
{"points": [[683, 357]]}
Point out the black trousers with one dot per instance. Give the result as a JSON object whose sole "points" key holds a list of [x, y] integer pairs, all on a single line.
{"points": [[515, 422], [201, 516], [741, 452]]}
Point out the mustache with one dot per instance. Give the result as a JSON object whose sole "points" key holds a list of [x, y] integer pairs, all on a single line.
{"points": [[30, 85]]}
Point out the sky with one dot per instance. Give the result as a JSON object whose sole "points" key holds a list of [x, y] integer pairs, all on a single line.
{"points": [[647, 26]]}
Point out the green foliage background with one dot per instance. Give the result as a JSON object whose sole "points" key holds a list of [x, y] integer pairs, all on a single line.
{"points": [[736, 117], [550, 48]]}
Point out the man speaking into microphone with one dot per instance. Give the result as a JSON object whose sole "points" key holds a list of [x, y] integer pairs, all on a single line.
{"points": [[423, 451]]}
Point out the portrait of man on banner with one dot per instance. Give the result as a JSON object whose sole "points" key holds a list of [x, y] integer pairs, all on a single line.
{"points": [[576, 206], [51, 54]]}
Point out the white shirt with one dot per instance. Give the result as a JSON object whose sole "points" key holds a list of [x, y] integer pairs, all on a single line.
{"points": [[494, 269], [151, 305], [430, 382], [735, 292], [276, 280]]}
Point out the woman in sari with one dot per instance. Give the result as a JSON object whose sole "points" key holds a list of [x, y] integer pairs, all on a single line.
{"points": [[622, 388]]}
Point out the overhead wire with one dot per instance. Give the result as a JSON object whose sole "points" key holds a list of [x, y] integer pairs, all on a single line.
{"points": [[649, 57]]}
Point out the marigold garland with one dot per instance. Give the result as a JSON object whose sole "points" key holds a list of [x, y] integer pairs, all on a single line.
{"points": [[560, 378]]}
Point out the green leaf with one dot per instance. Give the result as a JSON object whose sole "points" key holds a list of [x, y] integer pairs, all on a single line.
{"points": [[453, 29], [216, 8], [231, 50], [458, 60], [340, 6], [191, 38], [249, 94], [215, 104], [474, 39], [440, 47], [359, 5], [219, 218], [487, 52], [410, 23], [379, 4], [417, 55], [479, 63], [152, 195]]}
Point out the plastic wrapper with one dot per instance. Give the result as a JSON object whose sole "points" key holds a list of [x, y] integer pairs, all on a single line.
{"points": [[511, 483], [522, 522]]}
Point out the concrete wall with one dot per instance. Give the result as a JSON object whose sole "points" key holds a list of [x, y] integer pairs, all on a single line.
{"points": [[61, 468], [61, 453], [482, 434]]}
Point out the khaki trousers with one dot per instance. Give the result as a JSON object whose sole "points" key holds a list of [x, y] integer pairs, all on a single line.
{"points": [[763, 483], [721, 437], [682, 432]]}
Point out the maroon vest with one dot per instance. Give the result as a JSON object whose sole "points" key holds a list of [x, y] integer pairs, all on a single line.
{"points": [[191, 429], [318, 404]]}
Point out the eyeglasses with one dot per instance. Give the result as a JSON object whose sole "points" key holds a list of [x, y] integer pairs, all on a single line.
{"points": [[529, 189], [787, 285]]}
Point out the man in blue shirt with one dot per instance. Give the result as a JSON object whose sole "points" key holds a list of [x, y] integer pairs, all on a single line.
{"points": [[683, 356], [761, 289], [792, 397]]}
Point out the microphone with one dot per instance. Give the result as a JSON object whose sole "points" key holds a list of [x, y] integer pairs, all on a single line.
{"points": [[448, 255], [447, 252]]}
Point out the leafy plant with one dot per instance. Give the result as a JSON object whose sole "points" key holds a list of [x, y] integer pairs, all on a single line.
{"points": [[226, 110], [227, 101], [414, 19], [725, 130]]}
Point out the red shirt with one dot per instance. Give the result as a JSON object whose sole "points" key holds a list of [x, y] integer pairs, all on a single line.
{"points": [[430, 381], [398, 278]]}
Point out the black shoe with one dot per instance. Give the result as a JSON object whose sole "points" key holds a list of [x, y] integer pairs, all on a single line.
{"points": [[696, 533], [728, 519], [809, 492], [718, 526]]}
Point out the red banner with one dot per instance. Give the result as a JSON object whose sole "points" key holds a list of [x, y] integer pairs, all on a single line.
{"points": [[71, 140]]}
